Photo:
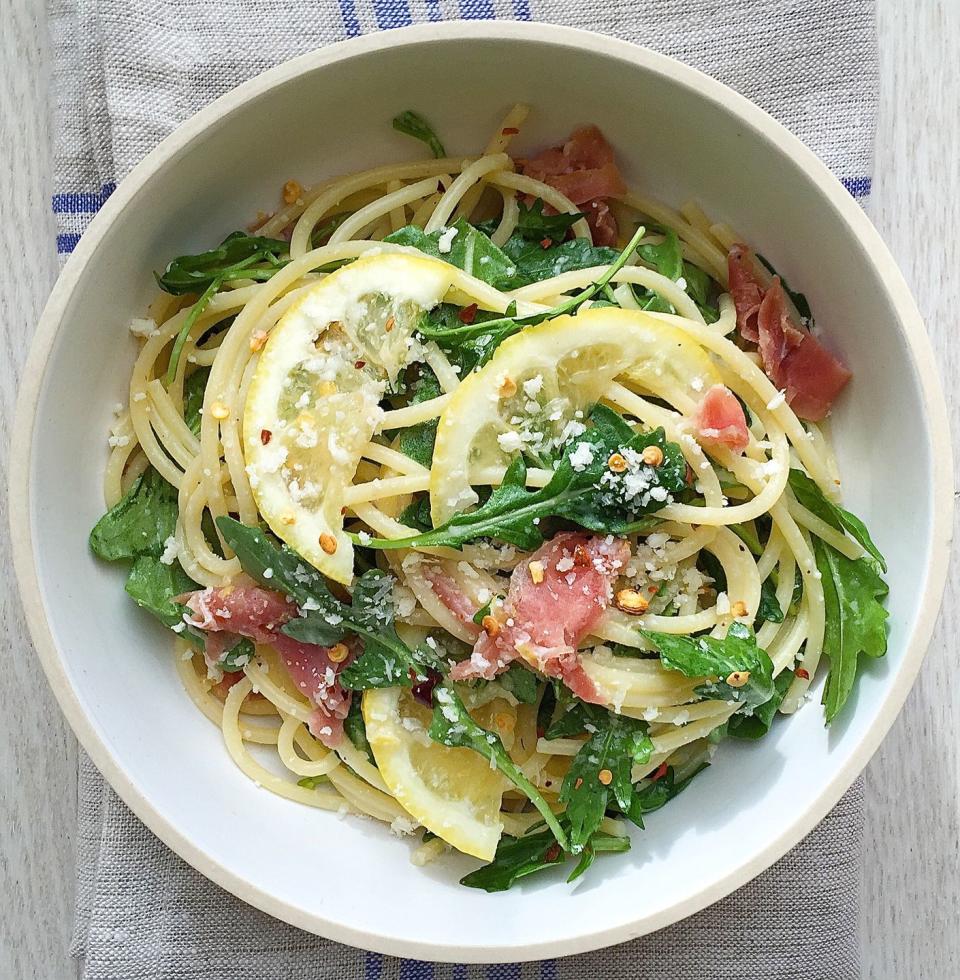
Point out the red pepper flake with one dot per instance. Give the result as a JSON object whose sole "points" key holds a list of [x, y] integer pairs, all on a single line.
{"points": [[541, 731], [581, 557], [546, 242], [265, 436], [510, 131], [468, 314], [660, 773], [359, 364], [552, 853], [803, 673], [578, 783]]}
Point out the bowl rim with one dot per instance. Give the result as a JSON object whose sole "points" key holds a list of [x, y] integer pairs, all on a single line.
{"points": [[761, 123]]}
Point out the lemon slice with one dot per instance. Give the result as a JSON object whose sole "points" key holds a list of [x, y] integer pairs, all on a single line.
{"points": [[312, 404], [533, 393], [672, 363], [453, 792]]}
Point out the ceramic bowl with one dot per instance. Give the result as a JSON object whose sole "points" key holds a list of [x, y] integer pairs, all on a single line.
{"points": [[678, 134]]}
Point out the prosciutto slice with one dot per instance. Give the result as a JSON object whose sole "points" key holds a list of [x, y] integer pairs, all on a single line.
{"points": [[794, 360], [719, 420], [248, 610], [584, 170], [545, 617]]}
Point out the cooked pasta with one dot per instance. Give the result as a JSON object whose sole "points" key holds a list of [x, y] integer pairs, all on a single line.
{"points": [[486, 496]]}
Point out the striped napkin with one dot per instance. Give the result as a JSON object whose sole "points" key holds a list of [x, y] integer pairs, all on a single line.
{"points": [[126, 73]]}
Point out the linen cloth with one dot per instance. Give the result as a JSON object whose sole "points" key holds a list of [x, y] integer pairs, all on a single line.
{"points": [[126, 73]]}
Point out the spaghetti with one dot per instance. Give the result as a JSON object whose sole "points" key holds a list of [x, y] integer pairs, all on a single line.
{"points": [[583, 497]]}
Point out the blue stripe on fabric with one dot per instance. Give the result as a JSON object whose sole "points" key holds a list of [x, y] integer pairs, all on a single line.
{"points": [[392, 13], [477, 10], [503, 971], [82, 202], [548, 970], [67, 243], [433, 10], [372, 966], [459, 971], [348, 13], [415, 970], [858, 186], [521, 9]]}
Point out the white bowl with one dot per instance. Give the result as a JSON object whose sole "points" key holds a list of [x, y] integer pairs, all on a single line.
{"points": [[678, 134]]}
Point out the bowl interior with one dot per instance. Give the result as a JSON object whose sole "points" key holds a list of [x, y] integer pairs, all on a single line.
{"points": [[675, 140]]}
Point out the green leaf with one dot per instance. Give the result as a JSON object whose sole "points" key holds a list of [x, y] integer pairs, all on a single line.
{"points": [[417, 441], [718, 657], [481, 338], [522, 683], [411, 123], [518, 857], [386, 660], [589, 495], [534, 263], [810, 495], [452, 726], [855, 620], [238, 256], [238, 656], [769, 609], [533, 225], [152, 585], [417, 514], [140, 523], [666, 258], [469, 250], [312, 782], [193, 391], [600, 774], [702, 289], [656, 793], [757, 725], [355, 729]]}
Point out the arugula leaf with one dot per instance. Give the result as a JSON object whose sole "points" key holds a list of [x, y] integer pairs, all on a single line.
{"points": [[238, 656], [855, 619], [799, 300], [482, 338], [719, 657], [193, 391], [573, 717], [757, 725], [600, 775], [666, 257], [417, 441], [533, 262], [658, 792], [812, 497], [700, 288], [417, 514], [591, 496], [522, 683], [386, 660], [411, 123], [231, 259], [238, 256], [452, 726], [152, 585], [355, 729], [469, 250], [140, 522], [518, 857], [535, 226], [769, 609], [312, 782]]}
